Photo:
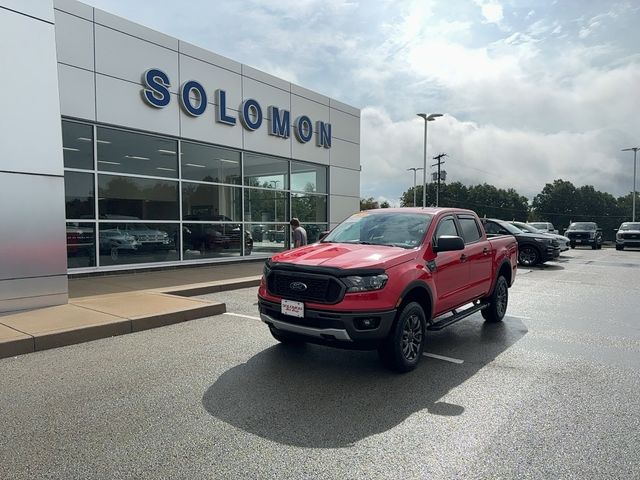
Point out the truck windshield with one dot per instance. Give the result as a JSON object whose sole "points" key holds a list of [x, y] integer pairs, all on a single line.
{"points": [[582, 226], [394, 229], [630, 226]]}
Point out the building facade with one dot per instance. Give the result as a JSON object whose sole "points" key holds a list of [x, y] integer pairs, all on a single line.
{"points": [[163, 153]]}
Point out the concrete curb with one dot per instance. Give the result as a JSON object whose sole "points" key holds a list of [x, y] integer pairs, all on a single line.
{"points": [[212, 287], [17, 340]]}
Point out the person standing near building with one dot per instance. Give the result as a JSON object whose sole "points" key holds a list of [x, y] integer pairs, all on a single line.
{"points": [[299, 233]]}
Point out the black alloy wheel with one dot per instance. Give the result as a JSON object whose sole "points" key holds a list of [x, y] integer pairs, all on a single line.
{"points": [[402, 349], [497, 301], [528, 256]]}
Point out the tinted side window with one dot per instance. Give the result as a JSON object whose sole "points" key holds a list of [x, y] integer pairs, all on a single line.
{"points": [[446, 227], [491, 228], [470, 231]]}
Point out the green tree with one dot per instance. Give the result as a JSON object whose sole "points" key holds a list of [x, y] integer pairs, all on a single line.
{"points": [[385, 204], [368, 204]]}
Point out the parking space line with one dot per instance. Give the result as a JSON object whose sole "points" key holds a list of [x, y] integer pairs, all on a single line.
{"points": [[241, 316], [442, 357], [519, 317]]}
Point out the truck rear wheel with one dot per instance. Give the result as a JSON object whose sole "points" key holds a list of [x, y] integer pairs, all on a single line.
{"points": [[498, 301], [402, 349]]}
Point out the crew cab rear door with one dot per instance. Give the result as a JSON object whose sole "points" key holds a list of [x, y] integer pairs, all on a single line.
{"points": [[479, 256], [451, 269]]}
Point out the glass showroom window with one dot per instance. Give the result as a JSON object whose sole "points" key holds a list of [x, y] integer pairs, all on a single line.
{"points": [[218, 203], [129, 243], [210, 164], [77, 145], [81, 244], [262, 205], [135, 198], [135, 153], [269, 238], [306, 177], [266, 172], [79, 196], [309, 208], [214, 240]]}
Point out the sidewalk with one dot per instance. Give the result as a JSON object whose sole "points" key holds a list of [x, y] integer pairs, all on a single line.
{"points": [[101, 307]]}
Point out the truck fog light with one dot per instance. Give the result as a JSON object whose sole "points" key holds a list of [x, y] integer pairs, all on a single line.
{"points": [[367, 323]]}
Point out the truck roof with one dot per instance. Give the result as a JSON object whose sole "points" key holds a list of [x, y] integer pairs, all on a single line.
{"points": [[429, 210]]}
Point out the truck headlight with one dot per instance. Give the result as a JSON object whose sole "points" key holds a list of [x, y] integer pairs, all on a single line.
{"points": [[592, 234], [618, 235], [546, 241], [366, 283]]}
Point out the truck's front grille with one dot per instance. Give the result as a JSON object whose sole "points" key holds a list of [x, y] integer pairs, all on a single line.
{"points": [[631, 236], [305, 287], [577, 235]]}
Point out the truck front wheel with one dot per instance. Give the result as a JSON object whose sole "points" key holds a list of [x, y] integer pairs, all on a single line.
{"points": [[497, 302], [402, 349]]}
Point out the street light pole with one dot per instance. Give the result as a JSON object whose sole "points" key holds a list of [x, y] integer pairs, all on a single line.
{"points": [[415, 169], [427, 118], [635, 152]]}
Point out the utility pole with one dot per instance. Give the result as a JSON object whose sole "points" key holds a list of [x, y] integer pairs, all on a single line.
{"points": [[415, 169], [635, 152], [440, 162]]}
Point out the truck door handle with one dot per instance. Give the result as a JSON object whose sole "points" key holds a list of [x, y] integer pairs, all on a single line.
{"points": [[463, 258], [485, 251]]}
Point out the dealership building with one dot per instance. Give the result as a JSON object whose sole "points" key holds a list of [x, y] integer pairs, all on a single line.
{"points": [[123, 148]]}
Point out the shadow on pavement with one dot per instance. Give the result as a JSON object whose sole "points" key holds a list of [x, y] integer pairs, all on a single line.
{"points": [[312, 396]]}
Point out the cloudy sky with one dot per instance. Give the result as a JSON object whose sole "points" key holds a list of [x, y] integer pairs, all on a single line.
{"points": [[532, 90]]}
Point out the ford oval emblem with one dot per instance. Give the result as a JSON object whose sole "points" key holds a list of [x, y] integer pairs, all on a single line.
{"points": [[297, 286]]}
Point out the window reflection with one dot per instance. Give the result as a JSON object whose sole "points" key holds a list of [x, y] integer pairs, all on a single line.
{"points": [[211, 202], [201, 240], [270, 238], [81, 245], [265, 206], [137, 198], [309, 208], [128, 152], [306, 177], [77, 145], [266, 172], [210, 164], [314, 230], [122, 243], [78, 193]]}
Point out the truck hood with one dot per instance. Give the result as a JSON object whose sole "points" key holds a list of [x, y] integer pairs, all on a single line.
{"points": [[347, 256]]}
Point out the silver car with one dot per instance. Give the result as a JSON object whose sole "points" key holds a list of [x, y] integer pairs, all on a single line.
{"points": [[529, 228]]}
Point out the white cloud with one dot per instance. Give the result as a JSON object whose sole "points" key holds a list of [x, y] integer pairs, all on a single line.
{"points": [[508, 158], [491, 10]]}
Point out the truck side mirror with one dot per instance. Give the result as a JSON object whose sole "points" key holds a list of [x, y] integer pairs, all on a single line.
{"points": [[323, 234], [448, 243]]}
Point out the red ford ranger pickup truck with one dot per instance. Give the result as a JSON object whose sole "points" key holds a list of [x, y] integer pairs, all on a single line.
{"points": [[383, 278]]}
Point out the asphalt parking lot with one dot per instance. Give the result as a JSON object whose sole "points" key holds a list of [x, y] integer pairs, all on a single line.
{"points": [[552, 392]]}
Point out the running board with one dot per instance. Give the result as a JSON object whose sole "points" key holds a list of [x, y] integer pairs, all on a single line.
{"points": [[456, 317]]}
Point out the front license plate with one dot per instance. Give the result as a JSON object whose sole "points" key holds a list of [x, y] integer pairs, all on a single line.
{"points": [[578, 241], [294, 309]]}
